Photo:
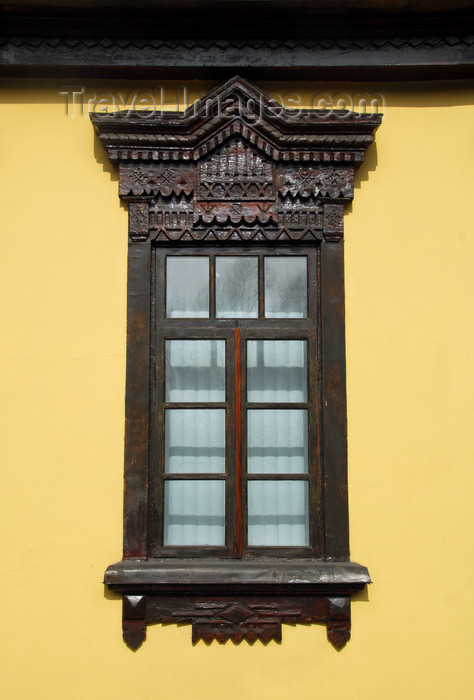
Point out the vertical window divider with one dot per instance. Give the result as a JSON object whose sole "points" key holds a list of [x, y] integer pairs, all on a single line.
{"points": [[159, 448], [212, 285], [238, 444], [261, 287]]}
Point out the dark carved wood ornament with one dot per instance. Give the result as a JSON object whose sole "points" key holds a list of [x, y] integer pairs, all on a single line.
{"points": [[233, 171]]}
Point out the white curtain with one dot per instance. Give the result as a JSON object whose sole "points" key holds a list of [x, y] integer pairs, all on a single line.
{"points": [[276, 371], [195, 370], [286, 288], [237, 287], [278, 514], [195, 443], [277, 443], [194, 513], [187, 286]]}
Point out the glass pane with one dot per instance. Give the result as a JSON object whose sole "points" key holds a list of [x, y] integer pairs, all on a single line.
{"points": [[187, 286], [236, 287], [195, 441], [286, 287], [278, 514], [276, 371], [277, 441], [194, 513], [195, 370]]}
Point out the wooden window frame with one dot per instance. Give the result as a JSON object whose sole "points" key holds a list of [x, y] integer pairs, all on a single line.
{"points": [[178, 175], [236, 332]]}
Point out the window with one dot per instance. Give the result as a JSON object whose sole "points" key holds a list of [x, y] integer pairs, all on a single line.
{"points": [[236, 514], [237, 400]]}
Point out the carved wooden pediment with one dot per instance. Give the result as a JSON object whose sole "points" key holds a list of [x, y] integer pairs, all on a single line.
{"points": [[236, 166]]}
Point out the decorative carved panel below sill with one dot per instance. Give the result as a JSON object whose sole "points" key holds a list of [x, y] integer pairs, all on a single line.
{"points": [[229, 599]]}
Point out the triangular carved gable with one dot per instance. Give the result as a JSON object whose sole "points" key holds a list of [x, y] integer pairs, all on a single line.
{"points": [[240, 161], [236, 172]]}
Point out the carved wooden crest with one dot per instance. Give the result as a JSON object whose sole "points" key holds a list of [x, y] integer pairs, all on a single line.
{"points": [[236, 167]]}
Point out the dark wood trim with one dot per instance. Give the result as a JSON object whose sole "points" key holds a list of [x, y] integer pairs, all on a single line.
{"points": [[334, 412], [268, 39], [417, 12], [212, 285], [236, 600], [238, 444], [233, 506], [172, 573], [397, 60], [137, 401]]}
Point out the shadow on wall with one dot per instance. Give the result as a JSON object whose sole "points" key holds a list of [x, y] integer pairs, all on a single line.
{"points": [[102, 159], [178, 94]]}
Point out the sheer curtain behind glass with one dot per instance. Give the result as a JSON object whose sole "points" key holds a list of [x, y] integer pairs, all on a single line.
{"points": [[194, 443], [277, 389], [277, 443]]}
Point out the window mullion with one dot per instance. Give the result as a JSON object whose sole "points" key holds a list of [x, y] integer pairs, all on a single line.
{"points": [[212, 285], [238, 443], [261, 287]]}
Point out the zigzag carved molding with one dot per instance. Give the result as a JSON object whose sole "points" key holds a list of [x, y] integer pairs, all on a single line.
{"points": [[212, 180]]}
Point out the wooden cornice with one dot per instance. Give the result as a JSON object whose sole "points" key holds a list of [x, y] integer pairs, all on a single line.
{"points": [[271, 39], [236, 109]]}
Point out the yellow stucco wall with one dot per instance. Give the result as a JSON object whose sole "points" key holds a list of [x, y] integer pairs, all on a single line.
{"points": [[410, 333]]}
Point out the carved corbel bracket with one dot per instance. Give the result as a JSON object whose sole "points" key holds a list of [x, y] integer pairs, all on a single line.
{"points": [[238, 618], [229, 603], [333, 221], [134, 620], [139, 218]]}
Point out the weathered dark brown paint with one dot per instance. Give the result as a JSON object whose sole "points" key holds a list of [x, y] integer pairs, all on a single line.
{"points": [[334, 413], [133, 620], [179, 174], [246, 600], [274, 40], [137, 401], [238, 444]]}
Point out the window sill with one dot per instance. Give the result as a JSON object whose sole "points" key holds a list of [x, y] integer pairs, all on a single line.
{"points": [[236, 599], [163, 574]]}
